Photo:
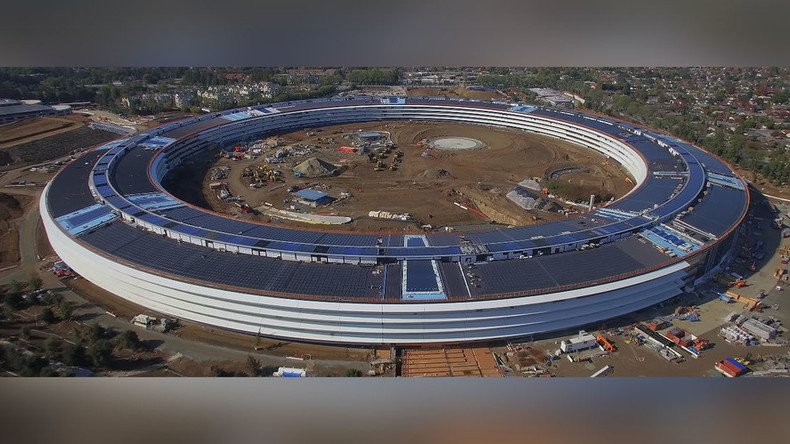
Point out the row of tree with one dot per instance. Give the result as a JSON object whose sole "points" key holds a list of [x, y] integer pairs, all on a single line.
{"points": [[374, 76]]}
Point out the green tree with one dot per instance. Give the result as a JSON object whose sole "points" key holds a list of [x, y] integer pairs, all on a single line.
{"points": [[48, 372], [34, 283], [97, 333], [222, 373], [48, 316], [373, 76], [53, 299], [53, 348], [101, 353], [24, 332], [162, 86], [129, 339], [12, 301], [65, 309], [253, 366], [74, 355], [33, 366], [353, 373]]}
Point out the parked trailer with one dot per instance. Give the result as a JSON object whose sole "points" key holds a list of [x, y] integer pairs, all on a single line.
{"points": [[290, 372]]}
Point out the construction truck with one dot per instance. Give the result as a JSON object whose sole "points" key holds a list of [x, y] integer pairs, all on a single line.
{"points": [[745, 360], [605, 343], [732, 280]]}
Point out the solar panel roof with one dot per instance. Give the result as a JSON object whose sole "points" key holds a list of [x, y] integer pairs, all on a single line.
{"points": [[130, 176]]}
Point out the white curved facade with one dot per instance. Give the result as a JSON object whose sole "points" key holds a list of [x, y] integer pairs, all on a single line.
{"points": [[480, 318], [365, 323]]}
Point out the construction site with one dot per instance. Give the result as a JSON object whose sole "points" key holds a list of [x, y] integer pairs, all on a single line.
{"points": [[401, 175], [731, 326]]}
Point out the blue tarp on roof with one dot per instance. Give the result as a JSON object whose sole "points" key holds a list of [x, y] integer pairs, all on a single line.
{"points": [[309, 194]]}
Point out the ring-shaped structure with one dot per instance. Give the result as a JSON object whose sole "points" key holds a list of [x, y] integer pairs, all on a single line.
{"points": [[108, 217]]}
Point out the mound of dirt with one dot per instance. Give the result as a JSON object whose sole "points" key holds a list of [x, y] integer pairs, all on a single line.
{"points": [[315, 167], [434, 175]]}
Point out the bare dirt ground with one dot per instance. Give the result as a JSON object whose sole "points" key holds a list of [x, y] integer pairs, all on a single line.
{"points": [[43, 248], [460, 91], [36, 128], [762, 184], [163, 118], [52, 146], [425, 187], [12, 207], [449, 361]]}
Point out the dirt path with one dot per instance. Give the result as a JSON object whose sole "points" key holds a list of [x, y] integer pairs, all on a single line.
{"points": [[25, 230]]}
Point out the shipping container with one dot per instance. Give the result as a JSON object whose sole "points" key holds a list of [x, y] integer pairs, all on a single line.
{"points": [[728, 365], [759, 329], [727, 371]]}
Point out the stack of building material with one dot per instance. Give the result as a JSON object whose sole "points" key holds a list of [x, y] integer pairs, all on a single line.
{"points": [[759, 329], [733, 333], [678, 336]]}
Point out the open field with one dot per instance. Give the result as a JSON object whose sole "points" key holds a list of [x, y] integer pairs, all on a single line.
{"points": [[35, 128], [427, 184], [763, 184], [52, 146], [460, 91]]}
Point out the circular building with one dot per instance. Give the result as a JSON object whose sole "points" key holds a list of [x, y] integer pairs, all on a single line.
{"points": [[108, 217]]}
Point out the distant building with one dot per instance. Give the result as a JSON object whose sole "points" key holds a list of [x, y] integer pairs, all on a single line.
{"points": [[13, 110], [552, 96]]}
